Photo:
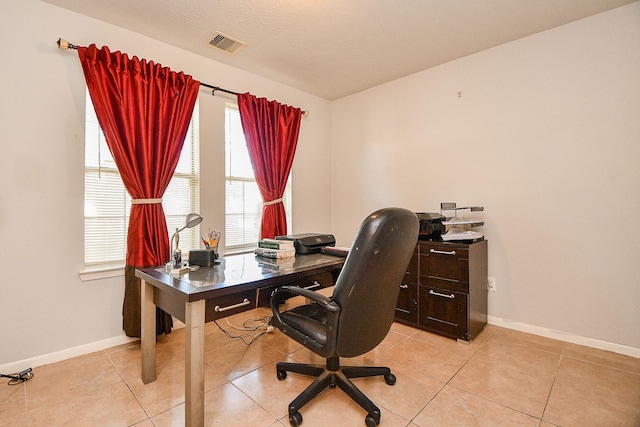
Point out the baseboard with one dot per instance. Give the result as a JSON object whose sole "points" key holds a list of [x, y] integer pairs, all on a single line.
{"points": [[69, 353], [564, 336]]}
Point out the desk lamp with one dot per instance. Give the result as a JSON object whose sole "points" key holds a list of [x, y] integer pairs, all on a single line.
{"points": [[175, 262]]}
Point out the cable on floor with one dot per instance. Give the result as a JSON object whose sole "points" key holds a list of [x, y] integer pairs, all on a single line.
{"points": [[19, 377], [250, 326]]}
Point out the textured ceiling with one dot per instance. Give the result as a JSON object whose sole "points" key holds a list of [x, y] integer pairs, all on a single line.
{"points": [[333, 48]]}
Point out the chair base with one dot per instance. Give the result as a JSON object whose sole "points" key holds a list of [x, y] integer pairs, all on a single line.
{"points": [[333, 375]]}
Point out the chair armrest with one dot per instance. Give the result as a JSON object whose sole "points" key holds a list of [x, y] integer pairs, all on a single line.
{"points": [[324, 301], [278, 295]]}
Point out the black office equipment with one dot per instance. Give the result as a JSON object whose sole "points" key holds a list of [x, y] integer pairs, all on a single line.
{"points": [[357, 317], [309, 243], [431, 226], [203, 257]]}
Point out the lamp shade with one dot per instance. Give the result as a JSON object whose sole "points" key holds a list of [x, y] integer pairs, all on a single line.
{"points": [[192, 220]]}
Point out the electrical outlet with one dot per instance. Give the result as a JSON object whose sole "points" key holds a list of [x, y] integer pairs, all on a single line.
{"points": [[491, 284]]}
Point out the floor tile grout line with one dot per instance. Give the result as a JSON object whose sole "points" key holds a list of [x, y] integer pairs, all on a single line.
{"points": [[130, 390], [446, 383], [553, 383]]}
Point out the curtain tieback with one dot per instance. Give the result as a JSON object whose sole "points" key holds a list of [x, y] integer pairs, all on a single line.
{"points": [[272, 202], [146, 201]]}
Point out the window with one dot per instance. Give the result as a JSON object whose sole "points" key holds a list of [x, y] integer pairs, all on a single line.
{"points": [[107, 204], [243, 202]]}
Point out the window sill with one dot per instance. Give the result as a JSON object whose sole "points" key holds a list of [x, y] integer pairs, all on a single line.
{"points": [[101, 272]]}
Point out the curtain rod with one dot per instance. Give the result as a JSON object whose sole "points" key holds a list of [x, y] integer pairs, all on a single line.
{"points": [[64, 45]]}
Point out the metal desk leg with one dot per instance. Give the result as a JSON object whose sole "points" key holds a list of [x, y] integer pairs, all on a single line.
{"points": [[148, 333], [194, 360]]}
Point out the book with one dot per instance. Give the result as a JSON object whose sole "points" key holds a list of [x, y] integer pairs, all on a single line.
{"points": [[275, 244], [276, 264], [275, 261], [275, 253]]}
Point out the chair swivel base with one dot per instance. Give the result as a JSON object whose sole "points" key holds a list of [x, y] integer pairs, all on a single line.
{"points": [[333, 375]]}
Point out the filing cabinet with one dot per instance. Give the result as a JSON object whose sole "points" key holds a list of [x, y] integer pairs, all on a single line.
{"points": [[445, 289]]}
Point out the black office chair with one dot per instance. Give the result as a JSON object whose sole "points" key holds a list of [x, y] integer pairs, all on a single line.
{"points": [[359, 314]]}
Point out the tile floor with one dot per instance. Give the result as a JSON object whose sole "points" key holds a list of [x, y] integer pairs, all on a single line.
{"points": [[503, 378]]}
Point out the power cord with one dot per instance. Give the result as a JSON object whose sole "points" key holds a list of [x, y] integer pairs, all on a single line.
{"points": [[262, 326], [19, 378]]}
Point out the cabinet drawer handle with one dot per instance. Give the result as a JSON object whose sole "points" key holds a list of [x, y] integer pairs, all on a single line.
{"points": [[434, 251], [231, 307], [403, 286], [314, 285], [451, 296]]}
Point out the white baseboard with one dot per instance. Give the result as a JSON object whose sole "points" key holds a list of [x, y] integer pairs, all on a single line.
{"points": [[81, 350], [564, 336], [69, 353]]}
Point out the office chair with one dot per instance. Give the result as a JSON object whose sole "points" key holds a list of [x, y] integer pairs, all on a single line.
{"points": [[358, 315]]}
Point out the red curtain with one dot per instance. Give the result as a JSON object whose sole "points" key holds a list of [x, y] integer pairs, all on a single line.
{"points": [[144, 110], [271, 130]]}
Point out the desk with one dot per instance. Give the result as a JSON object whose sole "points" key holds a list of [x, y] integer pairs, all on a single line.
{"points": [[236, 284]]}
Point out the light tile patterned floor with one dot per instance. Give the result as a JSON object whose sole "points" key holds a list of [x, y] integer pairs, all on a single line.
{"points": [[503, 378]]}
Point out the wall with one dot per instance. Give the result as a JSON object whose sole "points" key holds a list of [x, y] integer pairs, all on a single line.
{"points": [[544, 133], [47, 313]]}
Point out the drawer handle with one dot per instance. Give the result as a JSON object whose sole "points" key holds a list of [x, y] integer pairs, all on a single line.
{"points": [[231, 307], [315, 285], [451, 296], [403, 286], [434, 251]]}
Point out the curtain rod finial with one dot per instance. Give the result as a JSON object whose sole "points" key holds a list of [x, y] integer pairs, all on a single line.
{"points": [[64, 45], [305, 113]]}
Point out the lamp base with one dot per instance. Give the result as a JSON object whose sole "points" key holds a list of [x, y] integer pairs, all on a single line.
{"points": [[179, 271]]}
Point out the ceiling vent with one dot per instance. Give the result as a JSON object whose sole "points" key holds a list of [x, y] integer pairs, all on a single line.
{"points": [[226, 43]]}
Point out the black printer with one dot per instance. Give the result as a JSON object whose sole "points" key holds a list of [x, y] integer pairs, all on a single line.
{"points": [[309, 243], [431, 226]]}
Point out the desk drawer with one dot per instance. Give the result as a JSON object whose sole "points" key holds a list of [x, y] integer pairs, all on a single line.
{"points": [[230, 304], [313, 283]]}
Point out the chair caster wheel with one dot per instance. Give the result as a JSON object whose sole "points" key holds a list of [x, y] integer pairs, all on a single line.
{"points": [[295, 419], [370, 421], [281, 375], [390, 379]]}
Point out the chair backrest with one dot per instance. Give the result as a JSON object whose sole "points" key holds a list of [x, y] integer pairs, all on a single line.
{"points": [[368, 286]]}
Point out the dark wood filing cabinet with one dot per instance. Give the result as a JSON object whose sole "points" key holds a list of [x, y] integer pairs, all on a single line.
{"points": [[445, 289]]}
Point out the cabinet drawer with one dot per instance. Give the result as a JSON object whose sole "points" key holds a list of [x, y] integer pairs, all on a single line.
{"points": [[443, 311], [411, 274], [407, 306], [445, 267]]}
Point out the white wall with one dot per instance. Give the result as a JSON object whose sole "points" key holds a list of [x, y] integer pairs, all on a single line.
{"points": [[46, 311], [544, 132]]}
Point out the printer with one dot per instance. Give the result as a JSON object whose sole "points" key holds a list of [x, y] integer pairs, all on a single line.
{"points": [[309, 243], [431, 226]]}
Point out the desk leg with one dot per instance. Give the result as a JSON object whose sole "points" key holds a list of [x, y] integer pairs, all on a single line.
{"points": [[148, 333], [194, 369]]}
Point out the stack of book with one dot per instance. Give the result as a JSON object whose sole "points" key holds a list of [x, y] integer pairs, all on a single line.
{"points": [[277, 249], [276, 264]]}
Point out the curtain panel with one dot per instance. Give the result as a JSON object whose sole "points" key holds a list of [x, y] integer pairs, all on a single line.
{"points": [[144, 110], [271, 130]]}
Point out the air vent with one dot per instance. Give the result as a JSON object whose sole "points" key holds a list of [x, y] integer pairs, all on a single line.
{"points": [[226, 43]]}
